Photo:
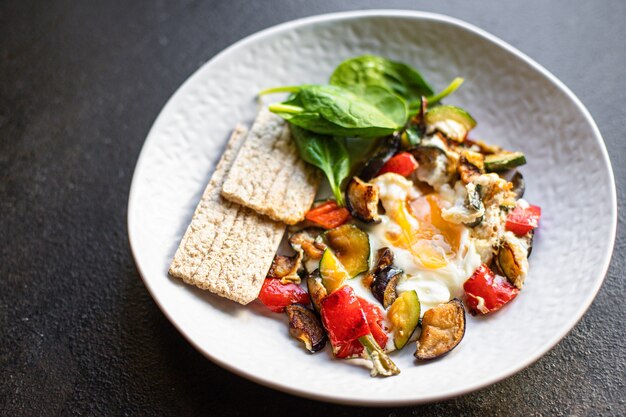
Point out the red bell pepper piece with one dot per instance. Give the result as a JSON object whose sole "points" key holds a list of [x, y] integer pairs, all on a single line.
{"points": [[347, 324], [522, 220], [486, 292], [343, 317], [276, 296], [402, 164], [374, 318], [328, 215]]}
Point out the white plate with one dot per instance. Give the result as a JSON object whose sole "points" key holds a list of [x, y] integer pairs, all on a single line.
{"points": [[517, 104]]}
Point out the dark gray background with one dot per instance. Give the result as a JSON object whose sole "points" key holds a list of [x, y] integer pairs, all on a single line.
{"points": [[81, 83]]}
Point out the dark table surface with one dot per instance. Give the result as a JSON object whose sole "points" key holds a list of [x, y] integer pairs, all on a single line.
{"points": [[81, 83]]}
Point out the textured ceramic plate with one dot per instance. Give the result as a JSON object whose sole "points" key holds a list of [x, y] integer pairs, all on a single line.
{"points": [[517, 104]]}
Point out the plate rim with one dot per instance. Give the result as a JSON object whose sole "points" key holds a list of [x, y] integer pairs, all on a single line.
{"points": [[346, 399]]}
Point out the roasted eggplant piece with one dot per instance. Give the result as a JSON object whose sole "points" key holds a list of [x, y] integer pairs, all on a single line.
{"points": [[519, 185], [286, 268], [384, 285], [306, 240], [404, 315], [388, 148], [434, 166], [316, 288], [384, 259], [306, 327], [443, 328], [351, 246], [512, 260], [362, 200]]}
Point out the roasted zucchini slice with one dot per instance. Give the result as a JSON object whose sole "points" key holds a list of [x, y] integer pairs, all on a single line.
{"points": [[503, 161], [512, 260], [332, 271], [306, 327], [452, 121], [443, 328], [404, 315], [384, 285], [362, 200], [351, 246]]}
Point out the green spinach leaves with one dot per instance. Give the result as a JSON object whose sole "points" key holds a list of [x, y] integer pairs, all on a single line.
{"points": [[367, 70], [327, 153], [332, 110]]}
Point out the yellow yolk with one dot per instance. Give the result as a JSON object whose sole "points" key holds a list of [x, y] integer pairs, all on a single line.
{"points": [[432, 240]]}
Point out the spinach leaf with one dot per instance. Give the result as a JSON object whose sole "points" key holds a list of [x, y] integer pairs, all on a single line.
{"points": [[326, 153], [367, 70], [332, 110]]}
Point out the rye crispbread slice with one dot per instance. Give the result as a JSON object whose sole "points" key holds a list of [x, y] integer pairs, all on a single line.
{"points": [[268, 176], [227, 249]]}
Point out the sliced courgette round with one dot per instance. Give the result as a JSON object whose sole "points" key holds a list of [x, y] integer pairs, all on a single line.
{"points": [[351, 246], [452, 121], [332, 271], [404, 315], [503, 161]]}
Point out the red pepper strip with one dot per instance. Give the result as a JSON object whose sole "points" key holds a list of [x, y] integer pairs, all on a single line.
{"points": [[402, 164], [485, 292], [276, 296], [343, 318], [328, 215], [374, 318], [522, 220], [346, 323]]}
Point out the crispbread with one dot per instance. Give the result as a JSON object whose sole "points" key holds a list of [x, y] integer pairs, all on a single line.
{"points": [[227, 249], [268, 176]]}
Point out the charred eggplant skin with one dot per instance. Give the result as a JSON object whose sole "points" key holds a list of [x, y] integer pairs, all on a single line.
{"points": [[443, 328], [316, 288], [388, 148], [362, 200], [384, 285], [306, 327], [519, 185]]}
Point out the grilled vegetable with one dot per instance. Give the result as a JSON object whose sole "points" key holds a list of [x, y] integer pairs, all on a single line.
{"points": [[332, 271], [277, 296], [286, 268], [522, 220], [305, 241], [351, 246], [384, 259], [328, 215], [384, 285], [512, 261], [362, 200], [486, 292], [434, 167], [346, 322], [474, 203], [470, 165], [402, 164], [404, 315], [306, 327], [519, 185], [503, 161], [452, 121], [316, 288], [443, 328], [387, 148]]}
